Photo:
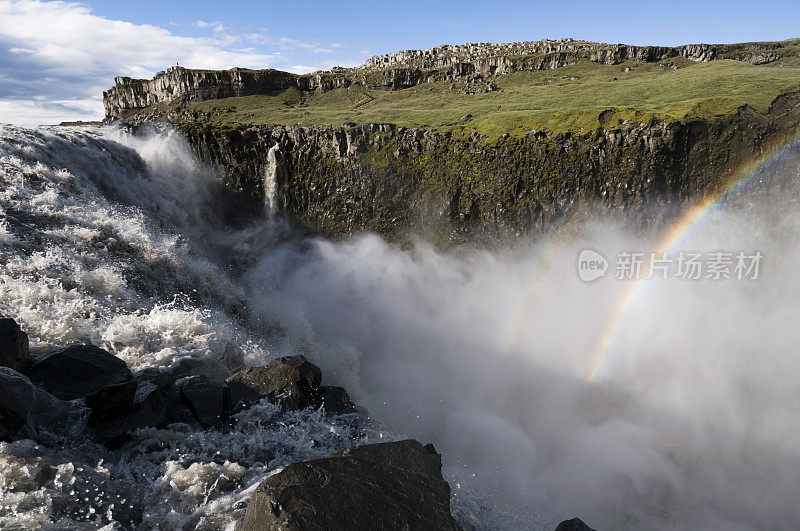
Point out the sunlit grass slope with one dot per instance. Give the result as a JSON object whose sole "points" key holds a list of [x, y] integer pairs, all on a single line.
{"points": [[571, 98]]}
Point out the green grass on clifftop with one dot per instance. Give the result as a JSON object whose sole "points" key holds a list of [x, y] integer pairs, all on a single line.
{"points": [[566, 99]]}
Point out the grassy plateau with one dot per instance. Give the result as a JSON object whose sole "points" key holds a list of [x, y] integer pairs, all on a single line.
{"points": [[570, 98]]}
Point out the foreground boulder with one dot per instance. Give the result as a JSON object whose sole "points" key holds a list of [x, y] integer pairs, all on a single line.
{"points": [[396, 485], [27, 411], [13, 345], [86, 372], [575, 524]]}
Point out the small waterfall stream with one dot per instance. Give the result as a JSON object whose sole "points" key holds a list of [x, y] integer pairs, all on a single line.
{"points": [[271, 179]]}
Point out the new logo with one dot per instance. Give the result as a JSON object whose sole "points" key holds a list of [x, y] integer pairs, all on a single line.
{"points": [[591, 265]]}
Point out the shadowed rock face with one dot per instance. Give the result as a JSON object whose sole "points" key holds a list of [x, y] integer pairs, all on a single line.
{"points": [[395, 485], [80, 371], [206, 399], [148, 410], [31, 412], [392, 180], [86, 372], [13, 345]]}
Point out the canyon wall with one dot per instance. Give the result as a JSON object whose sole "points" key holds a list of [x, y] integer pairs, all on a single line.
{"points": [[393, 180]]}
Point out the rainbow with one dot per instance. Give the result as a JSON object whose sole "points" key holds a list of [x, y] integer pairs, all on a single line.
{"points": [[694, 215]]}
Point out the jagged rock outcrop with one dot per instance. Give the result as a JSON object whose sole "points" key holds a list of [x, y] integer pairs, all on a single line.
{"points": [[448, 55], [395, 485], [181, 83], [391, 179]]}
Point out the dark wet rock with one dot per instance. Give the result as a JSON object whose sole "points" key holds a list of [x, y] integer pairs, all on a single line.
{"points": [[177, 410], [149, 410], [86, 372], [575, 524], [335, 400], [31, 412], [111, 400], [207, 399], [292, 380], [396, 485], [162, 380], [78, 371], [13, 345]]}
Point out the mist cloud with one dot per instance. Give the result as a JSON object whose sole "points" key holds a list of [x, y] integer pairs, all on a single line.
{"points": [[690, 425]]}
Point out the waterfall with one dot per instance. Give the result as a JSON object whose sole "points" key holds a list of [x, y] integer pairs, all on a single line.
{"points": [[271, 180]]}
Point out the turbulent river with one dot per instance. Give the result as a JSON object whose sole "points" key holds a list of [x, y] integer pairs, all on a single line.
{"points": [[665, 404]]}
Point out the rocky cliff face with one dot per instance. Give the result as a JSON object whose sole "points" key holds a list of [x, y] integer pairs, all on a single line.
{"points": [[447, 55], [464, 63], [391, 180], [176, 83]]}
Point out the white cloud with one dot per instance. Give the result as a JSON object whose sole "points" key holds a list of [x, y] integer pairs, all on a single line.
{"points": [[60, 51], [57, 57], [216, 27], [300, 69]]}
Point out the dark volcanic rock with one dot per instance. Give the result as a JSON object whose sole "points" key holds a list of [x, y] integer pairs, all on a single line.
{"points": [[206, 399], [335, 400], [576, 524], [13, 345], [395, 485], [78, 371], [32, 412], [148, 411], [292, 380], [111, 400], [175, 410], [87, 372], [160, 379]]}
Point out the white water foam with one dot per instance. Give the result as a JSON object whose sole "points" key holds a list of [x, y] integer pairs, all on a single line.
{"points": [[112, 239]]}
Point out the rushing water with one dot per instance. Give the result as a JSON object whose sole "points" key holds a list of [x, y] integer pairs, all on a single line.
{"points": [[126, 242]]}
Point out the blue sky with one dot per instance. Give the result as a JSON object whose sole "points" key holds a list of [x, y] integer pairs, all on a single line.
{"points": [[57, 57]]}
